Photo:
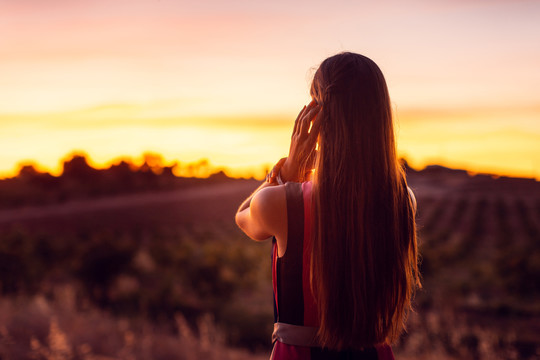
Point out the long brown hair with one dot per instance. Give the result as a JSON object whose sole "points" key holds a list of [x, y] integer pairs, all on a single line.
{"points": [[364, 265]]}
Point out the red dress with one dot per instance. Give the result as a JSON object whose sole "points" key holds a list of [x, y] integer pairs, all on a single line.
{"points": [[293, 301]]}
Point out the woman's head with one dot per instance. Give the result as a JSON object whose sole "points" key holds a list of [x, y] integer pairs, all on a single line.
{"points": [[364, 263], [356, 112], [347, 75]]}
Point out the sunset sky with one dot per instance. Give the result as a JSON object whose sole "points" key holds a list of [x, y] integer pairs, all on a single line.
{"points": [[224, 80]]}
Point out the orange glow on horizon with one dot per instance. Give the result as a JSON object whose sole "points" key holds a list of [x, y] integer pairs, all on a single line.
{"points": [[259, 171], [224, 81], [179, 168], [246, 146]]}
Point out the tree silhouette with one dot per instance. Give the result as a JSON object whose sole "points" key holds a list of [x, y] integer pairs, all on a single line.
{"points": [[77, 168]]}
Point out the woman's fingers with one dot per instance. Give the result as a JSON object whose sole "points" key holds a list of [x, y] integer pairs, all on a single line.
{"points": [[302, 148], [301, 118], [315, 127], [305, 114], [310, 112], [298, 120]]}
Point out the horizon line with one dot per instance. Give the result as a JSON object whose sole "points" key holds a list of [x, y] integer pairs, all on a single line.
{"points": [[179, 170]]}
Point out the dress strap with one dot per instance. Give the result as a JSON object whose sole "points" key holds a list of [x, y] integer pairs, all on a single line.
{"points": [[295, 334]]}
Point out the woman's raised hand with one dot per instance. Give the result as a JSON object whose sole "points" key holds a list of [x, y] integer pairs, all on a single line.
{"points": [[303, 142]]}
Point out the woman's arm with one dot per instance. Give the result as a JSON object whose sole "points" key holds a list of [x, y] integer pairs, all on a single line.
{"points": [[252, 214], [264, 213], [245, 204]]}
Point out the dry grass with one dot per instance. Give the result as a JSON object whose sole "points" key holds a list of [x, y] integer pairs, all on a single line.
{"points": [[481, 261], [444, 333], [42, 329]]}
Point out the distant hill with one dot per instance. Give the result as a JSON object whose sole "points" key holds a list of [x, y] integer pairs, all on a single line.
{"points": [[437, 179], [79, 180]]}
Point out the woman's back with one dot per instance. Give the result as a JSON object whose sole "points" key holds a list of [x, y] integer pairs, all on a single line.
{"points": [[294, 302], [345, 253]]}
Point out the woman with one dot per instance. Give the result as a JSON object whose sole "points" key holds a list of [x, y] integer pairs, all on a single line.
{"points": [[344, 251]]}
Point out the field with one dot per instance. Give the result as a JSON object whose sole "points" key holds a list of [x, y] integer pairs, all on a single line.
{"points": [[480, 244], [167, 275]]}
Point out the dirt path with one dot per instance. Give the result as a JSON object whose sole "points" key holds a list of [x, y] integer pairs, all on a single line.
{"points": [[202, 193]]}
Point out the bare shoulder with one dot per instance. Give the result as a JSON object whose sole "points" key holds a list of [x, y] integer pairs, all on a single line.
{"points": [[269, 199], [269, 208]]}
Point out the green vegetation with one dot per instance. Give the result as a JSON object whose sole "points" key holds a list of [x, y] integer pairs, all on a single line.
{"points": [[169, 276], [155, 277], [481, 276]]}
